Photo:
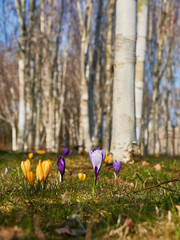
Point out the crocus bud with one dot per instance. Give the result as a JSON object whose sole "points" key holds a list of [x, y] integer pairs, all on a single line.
{"points": [[6, 170], [70, 152], [97, 157], [46, 167], [117, 166], [39, 172], [82, 176], [30, 177], [26, 167], [65, 151], [61, 166], [30, 155], [106, 160]]}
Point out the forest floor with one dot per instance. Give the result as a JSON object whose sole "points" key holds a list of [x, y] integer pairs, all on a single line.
{"points": [[72, 210]]}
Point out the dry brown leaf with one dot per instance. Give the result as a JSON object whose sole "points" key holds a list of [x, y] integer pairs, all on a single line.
{"points": [[70, 231], [10, 232], [157, 167], [144, 163], [118, 180], [65, 198], [128, 226], [178, 208]]}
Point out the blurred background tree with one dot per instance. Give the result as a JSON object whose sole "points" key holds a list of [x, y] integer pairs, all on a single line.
{"points": [[57, 69]]}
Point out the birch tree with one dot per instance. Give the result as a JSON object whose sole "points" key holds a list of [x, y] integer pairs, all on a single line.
{"points": [[162, 18], [84, 141], [38, 128], [142, 13], [123, 115], [107, 107], [31, 72], [21, 13], [8, 100]]}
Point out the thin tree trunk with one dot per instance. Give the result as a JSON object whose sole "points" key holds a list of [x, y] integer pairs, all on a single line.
{"points": [[14, 146], [40, 77], [123, 122], [84, 141], [142, 12], [20, 8], [93, 69], [108, 80], [30, 88]]}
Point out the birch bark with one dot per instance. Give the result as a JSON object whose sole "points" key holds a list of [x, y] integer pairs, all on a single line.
{"points": [[20, 8], [84, 141], [30, 86], [123, 118], [142, 12], [40, 77]]}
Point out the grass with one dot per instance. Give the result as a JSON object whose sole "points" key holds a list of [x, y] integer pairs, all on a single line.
{"points": [[71, 210]]}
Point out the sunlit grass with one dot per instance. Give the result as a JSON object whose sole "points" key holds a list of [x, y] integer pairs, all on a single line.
{"points": [[40, 210]]}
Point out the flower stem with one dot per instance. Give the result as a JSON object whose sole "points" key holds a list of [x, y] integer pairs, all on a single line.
{"points": [[93, 188], [60, 178]]}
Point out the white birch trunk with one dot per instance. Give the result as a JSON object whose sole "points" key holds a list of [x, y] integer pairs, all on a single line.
{"points": [[84, 140], [14, 146], [21, 114], [39, 81], [140, 58], [123, 118], [20, 8]]}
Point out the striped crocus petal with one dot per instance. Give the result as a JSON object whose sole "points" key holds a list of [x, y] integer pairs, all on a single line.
{"points": [[97, 158]]}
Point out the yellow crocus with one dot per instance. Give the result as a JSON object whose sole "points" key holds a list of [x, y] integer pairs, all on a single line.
{"points": [[39, 172], [30, 177], [26, 167], [41, 152], [30, 155], [106, 160], [46, 167], [82, 176]]}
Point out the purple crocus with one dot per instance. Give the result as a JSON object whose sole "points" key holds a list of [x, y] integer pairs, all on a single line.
{"points": [[70, 152], [6, 171], [97, 158], [61, 167], [117, 166], [65, 151]]}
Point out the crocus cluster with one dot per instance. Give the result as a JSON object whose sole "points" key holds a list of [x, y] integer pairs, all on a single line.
{"points": [[43, 170], [66, 151], [26, 169]]}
